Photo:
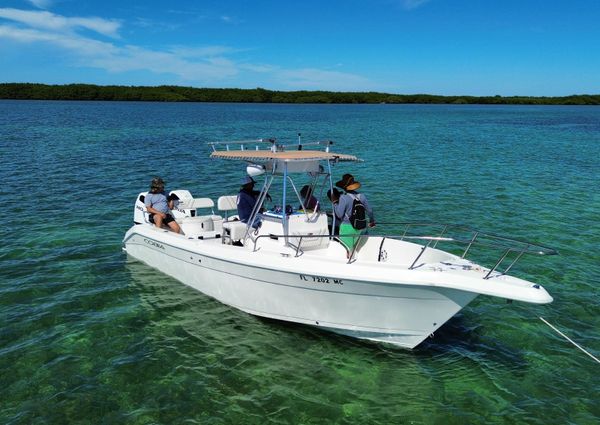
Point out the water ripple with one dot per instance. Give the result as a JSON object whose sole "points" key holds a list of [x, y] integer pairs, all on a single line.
{"points": [[88, 336]]}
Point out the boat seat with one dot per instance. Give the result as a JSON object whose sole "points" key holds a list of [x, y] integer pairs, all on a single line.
{"points": [[194, 203], [226, 204], [234, 231], [202, 226], [217, 224]]}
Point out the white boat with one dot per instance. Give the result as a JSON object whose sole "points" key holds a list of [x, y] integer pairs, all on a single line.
{"points": [[393, 289]]}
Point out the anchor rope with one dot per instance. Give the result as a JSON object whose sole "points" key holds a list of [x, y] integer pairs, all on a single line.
{"points": [[570, 340]]}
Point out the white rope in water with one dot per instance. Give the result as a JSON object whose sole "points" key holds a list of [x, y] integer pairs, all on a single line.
{"points": [[569, 339]]}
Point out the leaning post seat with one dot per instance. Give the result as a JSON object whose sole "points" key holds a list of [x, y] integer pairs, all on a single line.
{"points": [[234, 230], [226, 204]]}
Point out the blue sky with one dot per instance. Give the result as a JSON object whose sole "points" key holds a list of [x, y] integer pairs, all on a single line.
{"points": [[448, 47]]}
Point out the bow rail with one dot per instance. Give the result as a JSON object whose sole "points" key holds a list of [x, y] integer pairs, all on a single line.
{"points": [[470, 238]]}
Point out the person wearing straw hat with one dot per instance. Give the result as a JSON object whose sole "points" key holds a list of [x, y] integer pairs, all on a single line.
{"points": [[159, 205], [343, 208]]}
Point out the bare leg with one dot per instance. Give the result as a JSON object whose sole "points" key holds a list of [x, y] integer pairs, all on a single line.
{"points": [[158, 222], [175, 227]]}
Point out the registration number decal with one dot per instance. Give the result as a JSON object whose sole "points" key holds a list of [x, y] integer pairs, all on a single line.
{"points": [[320, 279]]}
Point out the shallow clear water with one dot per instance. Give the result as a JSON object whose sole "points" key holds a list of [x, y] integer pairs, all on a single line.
{"points": [[88, 336]]}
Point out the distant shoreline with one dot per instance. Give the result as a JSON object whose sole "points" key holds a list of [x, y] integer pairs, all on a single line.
{"points": [[33, 91]]}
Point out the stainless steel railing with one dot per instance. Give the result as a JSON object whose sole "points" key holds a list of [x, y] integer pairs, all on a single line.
{"points": [[272, 143], [471, 237]]}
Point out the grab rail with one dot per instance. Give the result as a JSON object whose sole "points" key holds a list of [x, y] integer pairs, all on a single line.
{"points": [[531, 247], [493, 241], [508, 245], [254, 144]]}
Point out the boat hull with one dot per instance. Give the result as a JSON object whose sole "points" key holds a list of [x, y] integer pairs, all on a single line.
{"points": [[397, 313]]}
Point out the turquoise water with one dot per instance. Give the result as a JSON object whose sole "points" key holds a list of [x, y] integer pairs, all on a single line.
{"points": [[88, 336]]}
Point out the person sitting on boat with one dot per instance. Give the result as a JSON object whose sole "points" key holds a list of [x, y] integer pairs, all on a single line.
{"points": [[334, 196], [246, 201], [309, 201], [343, 209], [159, 205]]}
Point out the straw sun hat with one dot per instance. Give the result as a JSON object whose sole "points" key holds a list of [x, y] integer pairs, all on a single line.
{"points": [[348, 183]]}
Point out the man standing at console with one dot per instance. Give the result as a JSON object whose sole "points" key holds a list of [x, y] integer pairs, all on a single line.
{"points": [[246, 200]]}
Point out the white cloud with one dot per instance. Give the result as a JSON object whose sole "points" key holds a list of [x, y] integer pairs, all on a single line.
{"points": [[50, 21], [230, 19], [202, 52], [307, 78], [155, 26], [318, 79], [41, 4], [132, 58], [260, 68], [104, 55], [74, 43], [413, 4], [196, 65]]}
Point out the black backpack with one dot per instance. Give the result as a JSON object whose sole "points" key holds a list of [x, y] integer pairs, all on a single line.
{"points": [[358, 214]]}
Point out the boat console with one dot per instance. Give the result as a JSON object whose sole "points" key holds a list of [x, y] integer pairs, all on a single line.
{"points": [[305, 230]]}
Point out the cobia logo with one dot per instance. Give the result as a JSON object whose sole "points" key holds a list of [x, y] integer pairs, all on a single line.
{"points": [[153, 243]]}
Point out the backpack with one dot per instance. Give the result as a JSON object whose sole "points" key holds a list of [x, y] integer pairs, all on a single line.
{"points": [[358, 214]]}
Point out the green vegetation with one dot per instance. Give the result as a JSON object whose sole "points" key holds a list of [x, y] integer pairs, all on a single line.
{"points": [[258, 95]]}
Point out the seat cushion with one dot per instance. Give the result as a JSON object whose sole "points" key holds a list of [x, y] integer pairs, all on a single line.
{"points": [[237, 229]]}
